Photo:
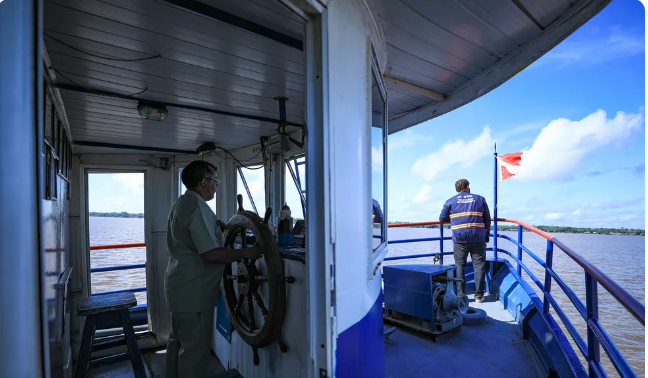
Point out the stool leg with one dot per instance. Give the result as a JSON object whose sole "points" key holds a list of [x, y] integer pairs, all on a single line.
{"points": [[131, 342], [86, 346]]}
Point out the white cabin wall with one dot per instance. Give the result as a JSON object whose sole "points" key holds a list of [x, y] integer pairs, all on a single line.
{"points": [[56, 226], [349, 120]]}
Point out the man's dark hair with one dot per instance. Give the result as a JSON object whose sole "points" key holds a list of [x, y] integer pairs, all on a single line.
{"points": [[461, 185], [194, 172]]}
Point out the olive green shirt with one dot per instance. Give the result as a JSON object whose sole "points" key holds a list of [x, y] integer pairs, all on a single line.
{"points": [[191, 285]]}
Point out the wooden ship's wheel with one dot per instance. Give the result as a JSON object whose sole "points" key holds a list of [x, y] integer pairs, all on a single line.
{"points": [[247, 281]]}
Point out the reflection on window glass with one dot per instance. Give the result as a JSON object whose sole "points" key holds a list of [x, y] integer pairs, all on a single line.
{"points": [[377, 163], [255, 180], [182, 189], [293, 198]]}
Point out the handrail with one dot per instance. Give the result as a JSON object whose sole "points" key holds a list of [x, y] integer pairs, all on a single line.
{"points": [[117, 246], [119, 267], [596, 335], [626, 299], [415, 224]]}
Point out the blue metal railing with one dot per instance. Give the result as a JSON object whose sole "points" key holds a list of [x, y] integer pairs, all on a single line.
{"points": [[596, 335], [119, 267]]}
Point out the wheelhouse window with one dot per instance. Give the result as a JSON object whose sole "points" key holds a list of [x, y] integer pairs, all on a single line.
{"points": [[250, 183], [378, 162], [295, 184]]}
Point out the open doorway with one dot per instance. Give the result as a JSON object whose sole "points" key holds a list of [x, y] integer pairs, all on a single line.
{"points": [[116, 234]]}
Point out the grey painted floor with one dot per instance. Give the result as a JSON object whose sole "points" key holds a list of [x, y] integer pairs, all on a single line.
{"points": [[154, 366], [494, 349]]}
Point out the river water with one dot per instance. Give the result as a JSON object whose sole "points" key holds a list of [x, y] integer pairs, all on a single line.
{"points": [[620, 257]]}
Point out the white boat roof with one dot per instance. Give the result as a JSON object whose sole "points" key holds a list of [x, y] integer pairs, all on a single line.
{"points": [[220, 64]]}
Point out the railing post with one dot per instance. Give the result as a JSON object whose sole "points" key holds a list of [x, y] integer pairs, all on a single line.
{"points": [[441, 245], [547, 284], [519, 267], [495, 209], [591, 303]]}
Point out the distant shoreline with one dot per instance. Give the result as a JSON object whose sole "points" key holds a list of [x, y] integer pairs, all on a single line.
{"points": [[560, 229], [117, 215], [557, 229]]}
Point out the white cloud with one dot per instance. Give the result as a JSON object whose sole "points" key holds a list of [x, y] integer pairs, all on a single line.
{"points": [[553, 216], [424, 195], [377, 159], [528, 217], [453, 153], [593, 49], [134, 182], [559, 148], [407, 138], [520, 129], [577, 212]]}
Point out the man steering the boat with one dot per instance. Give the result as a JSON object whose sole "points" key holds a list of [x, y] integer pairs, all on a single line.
{"points": [[194, 272], [470, 221]]}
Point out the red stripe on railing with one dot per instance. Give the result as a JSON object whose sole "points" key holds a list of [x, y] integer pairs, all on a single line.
{"points": [[528, 227], [117, 246], [415, 224]]}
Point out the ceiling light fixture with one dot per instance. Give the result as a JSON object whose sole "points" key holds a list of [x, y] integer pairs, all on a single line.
{"points": [[152, 111]]}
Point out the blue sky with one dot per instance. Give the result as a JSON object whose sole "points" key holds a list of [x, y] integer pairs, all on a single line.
{"points": [[586, 168], [583, 163]]}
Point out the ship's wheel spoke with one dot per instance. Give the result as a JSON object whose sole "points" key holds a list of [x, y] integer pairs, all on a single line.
{"points": [[243, 238], [259, 302], [251, 313], [261, 278], [239, 304]]}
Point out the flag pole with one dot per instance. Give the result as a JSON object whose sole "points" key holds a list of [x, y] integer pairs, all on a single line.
{"points": [[495, 209]]}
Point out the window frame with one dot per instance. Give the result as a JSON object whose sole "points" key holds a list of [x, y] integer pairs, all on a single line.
{"points": [[378, 254], [239, 172], [295, 176]]}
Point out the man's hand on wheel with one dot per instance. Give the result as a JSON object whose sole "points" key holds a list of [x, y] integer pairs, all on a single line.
{"points": [[221, 224], [487, 238]]}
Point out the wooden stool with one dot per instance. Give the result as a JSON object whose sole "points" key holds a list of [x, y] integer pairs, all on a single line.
{"points": [[109, 305]]}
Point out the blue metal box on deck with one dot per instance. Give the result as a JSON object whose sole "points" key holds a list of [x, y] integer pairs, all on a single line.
{"points": [[424, 291]]}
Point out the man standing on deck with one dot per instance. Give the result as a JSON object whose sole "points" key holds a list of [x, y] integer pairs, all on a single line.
{"points": [[194, 272], [470, 221]]}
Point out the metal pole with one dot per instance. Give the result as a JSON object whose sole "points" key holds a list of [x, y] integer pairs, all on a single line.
{"points": [[591, 303], [247, 189], [519, 267], [299, 189], [441, 244], [495, 211], [547, 284]]}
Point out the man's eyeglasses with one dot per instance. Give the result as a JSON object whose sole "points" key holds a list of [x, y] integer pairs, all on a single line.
{"points": [[216, 181]]}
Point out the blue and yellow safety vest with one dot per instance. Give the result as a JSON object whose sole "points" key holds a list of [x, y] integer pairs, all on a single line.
{"points": [[469, 217]]}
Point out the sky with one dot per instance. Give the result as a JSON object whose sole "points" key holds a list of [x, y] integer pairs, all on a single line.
{"points": [[577, 114]]}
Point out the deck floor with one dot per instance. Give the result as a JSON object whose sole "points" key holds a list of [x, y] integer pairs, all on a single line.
{"points": [[155, 366], [493, 349]]}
